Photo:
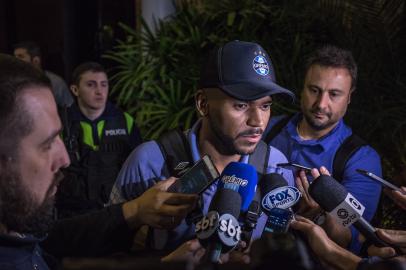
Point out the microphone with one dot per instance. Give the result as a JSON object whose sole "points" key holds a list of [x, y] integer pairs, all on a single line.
{"points": [[277, 200], [235, 177], [343, 206], [242, 178], [219, 231], [276, 193], [277, 246]]}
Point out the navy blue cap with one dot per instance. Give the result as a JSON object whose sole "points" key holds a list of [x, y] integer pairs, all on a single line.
{"points": [[243, 70]]}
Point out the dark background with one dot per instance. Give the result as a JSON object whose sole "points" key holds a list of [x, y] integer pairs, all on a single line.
{"points": [[72, 31], [68, 31]]}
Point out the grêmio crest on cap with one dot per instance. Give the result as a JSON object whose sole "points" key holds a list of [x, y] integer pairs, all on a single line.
{"points": [[260, 65]]}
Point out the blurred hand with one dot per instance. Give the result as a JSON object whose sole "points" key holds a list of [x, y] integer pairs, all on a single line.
{"points": [[394, 237], [320, 243], [326, 249], [397, 197], [158, 208], [307, 206], [190, 252], [239, 255]]}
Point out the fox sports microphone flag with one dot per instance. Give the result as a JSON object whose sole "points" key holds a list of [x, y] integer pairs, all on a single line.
{"points": [[276, 193]]}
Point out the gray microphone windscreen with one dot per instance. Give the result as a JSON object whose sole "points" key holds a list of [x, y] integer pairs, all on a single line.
{"points": [[327, 192], [271, 181], [226, 201]]}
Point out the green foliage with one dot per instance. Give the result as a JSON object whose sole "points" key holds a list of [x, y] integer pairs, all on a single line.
{"points": [[156, 73], [151, 65]]}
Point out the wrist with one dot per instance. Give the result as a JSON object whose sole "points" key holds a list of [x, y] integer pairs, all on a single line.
{"points": [[342, 259], [130, 213]]}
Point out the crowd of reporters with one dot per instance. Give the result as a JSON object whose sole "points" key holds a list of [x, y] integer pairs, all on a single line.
{"points": [[249, 216]]}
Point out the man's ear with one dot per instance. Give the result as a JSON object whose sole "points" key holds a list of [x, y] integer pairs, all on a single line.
{"points": [[201, 102], [36, 61], [349, 96], [74, 90]]}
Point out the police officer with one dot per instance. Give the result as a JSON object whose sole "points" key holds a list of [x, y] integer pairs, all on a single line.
{"points": [[31, 156], [98, 136]]}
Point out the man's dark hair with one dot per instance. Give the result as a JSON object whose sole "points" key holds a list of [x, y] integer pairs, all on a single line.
{"points": [[32, 48], [84, 67], [15, 122], [331, 56]]}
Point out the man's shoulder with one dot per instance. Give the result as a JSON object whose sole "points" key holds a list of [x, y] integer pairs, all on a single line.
{"points": [[128, 116], [365, 152], [147, 152], [16, 251], [141, 170], [276, 125], [112, 110], [73, 113], [351, 139], [276, 119], [276, 156], [54, 77]]}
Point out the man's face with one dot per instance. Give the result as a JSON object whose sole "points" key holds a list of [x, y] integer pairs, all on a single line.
{"points": [[92, 90], [237, 125], [33, 175], [325, 97], [23, 54]]}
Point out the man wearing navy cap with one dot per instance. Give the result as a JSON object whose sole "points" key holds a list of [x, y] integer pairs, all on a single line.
{"points": [[234, 102]]}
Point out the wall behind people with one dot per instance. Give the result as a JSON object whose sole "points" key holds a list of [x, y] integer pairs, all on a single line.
{"points": [[68, 31], [35, 20], [3, 25], [91, 27]]}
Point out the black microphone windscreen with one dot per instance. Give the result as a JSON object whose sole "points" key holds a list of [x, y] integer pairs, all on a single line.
{"points": [[271, 181], [327, 192], [226, 201]]}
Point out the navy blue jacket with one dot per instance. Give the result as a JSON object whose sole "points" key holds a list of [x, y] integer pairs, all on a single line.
{"points": [[92, 235]]}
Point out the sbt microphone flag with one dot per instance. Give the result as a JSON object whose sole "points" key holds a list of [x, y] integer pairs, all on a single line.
{"points": [[225, 226]]}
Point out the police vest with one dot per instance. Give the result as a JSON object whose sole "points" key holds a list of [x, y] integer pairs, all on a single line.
{"points": [[94, 167]]}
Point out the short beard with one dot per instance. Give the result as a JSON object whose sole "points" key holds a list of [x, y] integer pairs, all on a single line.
{"points": [[19, 211], [316, 126], [224, 143]]}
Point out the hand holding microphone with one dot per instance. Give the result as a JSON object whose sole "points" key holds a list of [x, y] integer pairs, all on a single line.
{"points": [[278, 246], [394, 237], [219, 231], [397, 194], [277, 199], [342, 206], [308, 207], [326, 249], [158, 208], [399, 197]]}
